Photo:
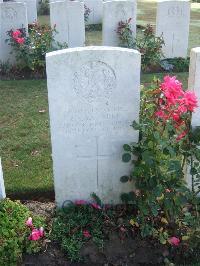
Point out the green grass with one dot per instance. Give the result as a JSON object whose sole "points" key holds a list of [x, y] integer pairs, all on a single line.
{"points": [[24, 136]]}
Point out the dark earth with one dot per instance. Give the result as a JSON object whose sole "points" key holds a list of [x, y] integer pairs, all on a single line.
{"points": [[116, 252]]}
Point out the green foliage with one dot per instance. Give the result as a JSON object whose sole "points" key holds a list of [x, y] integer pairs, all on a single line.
{"points": [[5, 68], [14, 233], [125, 34], [159, 163], [178, 64], [148, 44], [87, 12], [70, 224]]}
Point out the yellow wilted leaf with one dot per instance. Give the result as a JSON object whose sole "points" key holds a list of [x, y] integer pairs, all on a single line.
{"points": [[161, 197], [164, 220], [132, 222], [136, 224], [185, 238]]}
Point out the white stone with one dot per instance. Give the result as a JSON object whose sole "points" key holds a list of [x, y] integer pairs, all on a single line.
{"points": [[68, 16], [113, 13], [2, 187], [194, 81], [31, 9], [94, 95], [194, 85], [96, 8], [12, 16], [173, 19]]}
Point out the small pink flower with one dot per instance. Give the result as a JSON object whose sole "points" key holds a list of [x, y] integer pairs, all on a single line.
{"points": [[167, 190], [86, 233], [41, 230], [29, 222], [190, 100], [20, 40], [181, 136], [16, 34], [95, 206], [80, 202], [174, 241], [35, 235]]}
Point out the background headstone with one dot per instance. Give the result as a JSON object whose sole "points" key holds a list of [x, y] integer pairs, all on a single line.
{"points": [[173, 20], [96, 8], [12, 16], [2, 187], [94, 95], [68, 16], [31, 9], [194, 85], [194, 81], [114, 12]]}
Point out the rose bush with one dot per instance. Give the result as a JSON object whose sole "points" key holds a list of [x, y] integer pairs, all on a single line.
{"points": [[165, 206], [30, 48], [19, 233], [149, 45]]}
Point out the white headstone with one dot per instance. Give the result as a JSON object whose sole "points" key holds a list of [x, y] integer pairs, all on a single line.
{"points": [[31, 9], [96, 11], [194, 81], [173, 20], [12, 16], [68, 16], [2, 187], [94, 95], [114, 12], [194, 85]]}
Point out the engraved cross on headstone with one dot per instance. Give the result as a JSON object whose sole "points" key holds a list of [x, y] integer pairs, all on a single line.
{"points": [[98, 156]]}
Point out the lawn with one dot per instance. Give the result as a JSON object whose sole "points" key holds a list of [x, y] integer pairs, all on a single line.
{"points": [[25, 137]]}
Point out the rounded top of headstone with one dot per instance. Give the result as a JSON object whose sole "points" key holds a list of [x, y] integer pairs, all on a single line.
{"points": [[92, 48]]}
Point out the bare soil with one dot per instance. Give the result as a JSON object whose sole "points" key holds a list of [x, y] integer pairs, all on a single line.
{"points": [[127, 251]]}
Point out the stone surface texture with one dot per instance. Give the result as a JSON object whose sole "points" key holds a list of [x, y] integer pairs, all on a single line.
{"points": [[31, 9], [68, 16], [172, 21], [94, 95], [114, 12], [96, 8], [12, 16]]}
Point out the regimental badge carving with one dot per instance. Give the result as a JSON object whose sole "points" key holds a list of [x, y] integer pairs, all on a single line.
{"points": [[94, 81], [175, 11], [9, 13]]}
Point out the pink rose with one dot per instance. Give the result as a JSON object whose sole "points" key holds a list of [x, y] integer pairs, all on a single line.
{"points": [[29, 222], [95, 206], [20, 40], [174, 241], [80, 202], [35, 235], [86, 233], [16, 34], [190, 100], [41, 231], [181, 136]]}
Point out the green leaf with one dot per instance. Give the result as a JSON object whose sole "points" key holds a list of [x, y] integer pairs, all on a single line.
{"points": [[124, 179], [135, 125], [126, 157], [127, 147]]}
